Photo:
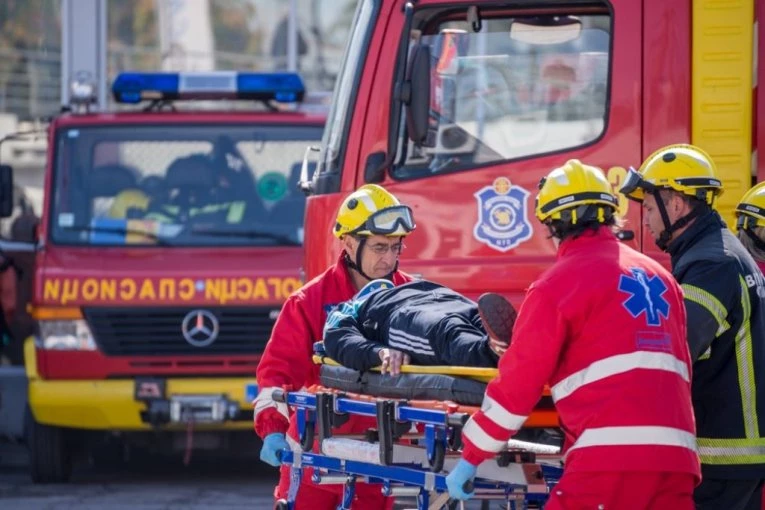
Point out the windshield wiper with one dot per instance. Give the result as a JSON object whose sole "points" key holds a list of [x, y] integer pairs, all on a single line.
{"points": [[249, 234], [118, 230]]}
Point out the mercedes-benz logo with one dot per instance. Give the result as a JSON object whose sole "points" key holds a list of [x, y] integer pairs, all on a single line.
{"points": [[200, 328]]}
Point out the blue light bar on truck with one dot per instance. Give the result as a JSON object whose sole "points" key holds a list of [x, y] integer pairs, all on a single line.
{"points": [[137, 87]]}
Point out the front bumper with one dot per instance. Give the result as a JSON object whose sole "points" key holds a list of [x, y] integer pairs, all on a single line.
{"points": [[112, 404]]}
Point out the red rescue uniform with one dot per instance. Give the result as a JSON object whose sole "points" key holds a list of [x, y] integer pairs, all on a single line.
{"points": [[606, 328], [287, 363]]}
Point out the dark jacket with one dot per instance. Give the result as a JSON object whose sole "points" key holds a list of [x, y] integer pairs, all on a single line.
{"points": [[725, 301], [431, 323]]}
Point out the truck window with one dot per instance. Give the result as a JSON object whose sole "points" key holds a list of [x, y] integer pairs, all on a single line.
{"points": [[495, 98], [213, 185]]}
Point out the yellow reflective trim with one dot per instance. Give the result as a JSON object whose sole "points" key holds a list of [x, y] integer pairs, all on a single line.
{"points": [[745, 366], [710, 303], [716, 442], [235, 212], [707, 354], [732, 460]]}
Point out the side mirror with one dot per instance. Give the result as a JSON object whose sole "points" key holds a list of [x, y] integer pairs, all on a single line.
{"points": [[306, 181], [6, 191], [417, 97]]}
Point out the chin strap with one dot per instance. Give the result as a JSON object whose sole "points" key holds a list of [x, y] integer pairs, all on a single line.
{"points": [[759, 243], [669, 228]]}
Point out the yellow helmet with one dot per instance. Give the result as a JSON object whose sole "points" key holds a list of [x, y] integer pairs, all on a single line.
{"points": [[750, 211], [680, 167], [570, 186], [128, 199], [372, 210]]}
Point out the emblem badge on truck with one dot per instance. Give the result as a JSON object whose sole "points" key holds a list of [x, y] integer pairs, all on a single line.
{"points": [[502, 220], [200, 328]]}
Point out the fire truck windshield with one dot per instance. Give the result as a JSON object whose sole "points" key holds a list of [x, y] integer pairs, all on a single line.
{"points": [[183, 185]]}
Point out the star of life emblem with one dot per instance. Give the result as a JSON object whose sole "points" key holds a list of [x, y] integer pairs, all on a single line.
{"points": [[646, 296]]}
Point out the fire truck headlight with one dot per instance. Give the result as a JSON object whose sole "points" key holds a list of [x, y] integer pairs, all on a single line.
{"points": [[71, 335]]}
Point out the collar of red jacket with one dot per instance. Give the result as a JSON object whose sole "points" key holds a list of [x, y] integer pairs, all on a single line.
{"points": [[588, 238]]}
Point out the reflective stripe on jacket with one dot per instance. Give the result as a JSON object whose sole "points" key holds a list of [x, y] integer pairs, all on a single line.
{"points": [[725, 301]]}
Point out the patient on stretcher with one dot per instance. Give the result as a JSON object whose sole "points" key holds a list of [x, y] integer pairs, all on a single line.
{"points": [[419, 323]]}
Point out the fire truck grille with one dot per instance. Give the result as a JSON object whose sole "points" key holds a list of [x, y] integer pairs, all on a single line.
{"points": [[181, 331]]}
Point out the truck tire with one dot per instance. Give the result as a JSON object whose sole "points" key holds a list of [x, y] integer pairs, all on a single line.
{"points": [[50, 459]]}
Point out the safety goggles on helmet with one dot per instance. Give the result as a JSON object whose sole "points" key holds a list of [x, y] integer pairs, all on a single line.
{"points": [[635, 187], [391, 220]]}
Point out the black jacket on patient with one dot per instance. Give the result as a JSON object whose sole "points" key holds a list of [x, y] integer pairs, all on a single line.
{"points": [[434, 325]]}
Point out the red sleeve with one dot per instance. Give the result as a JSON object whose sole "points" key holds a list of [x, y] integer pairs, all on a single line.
{"points": [[528, 364], [286, 362]]}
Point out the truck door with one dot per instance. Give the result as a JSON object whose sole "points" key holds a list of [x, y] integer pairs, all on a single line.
{"points": [[512, 94]]}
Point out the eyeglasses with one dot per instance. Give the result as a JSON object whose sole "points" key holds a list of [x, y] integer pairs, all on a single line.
{"points": [[382, 249]]}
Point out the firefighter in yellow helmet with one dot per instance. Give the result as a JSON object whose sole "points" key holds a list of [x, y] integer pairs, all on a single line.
{"points": [[573, 196], [128, 204], [724, 296], [604, 327], [371, 224], [750, 223], [678, 183]]}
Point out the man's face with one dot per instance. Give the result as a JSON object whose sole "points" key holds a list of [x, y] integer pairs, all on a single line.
{"points": [[676, 209], [379, 255]]}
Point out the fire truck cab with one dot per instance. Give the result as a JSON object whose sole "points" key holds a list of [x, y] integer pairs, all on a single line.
{"points": [[459, 108], [171, 234]]}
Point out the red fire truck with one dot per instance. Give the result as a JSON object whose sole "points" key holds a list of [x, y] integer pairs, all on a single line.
{"points": [[459, 108], [171, 233]]}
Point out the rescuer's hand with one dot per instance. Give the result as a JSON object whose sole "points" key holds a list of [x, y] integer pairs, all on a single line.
{"points": [[272, 444], [392, 360], [457, 481]]}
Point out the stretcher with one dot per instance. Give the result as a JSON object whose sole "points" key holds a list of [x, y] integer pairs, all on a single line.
{"points": [[416, 441]]}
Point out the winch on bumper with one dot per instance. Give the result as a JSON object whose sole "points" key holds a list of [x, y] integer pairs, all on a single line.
{"points": [[197, 409]]}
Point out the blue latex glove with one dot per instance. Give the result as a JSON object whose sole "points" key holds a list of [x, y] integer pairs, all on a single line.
{"points": [[273, 443], [463, 472]]}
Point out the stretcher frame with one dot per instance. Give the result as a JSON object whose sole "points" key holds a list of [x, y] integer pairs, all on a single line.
{"points": [[518, 476]]}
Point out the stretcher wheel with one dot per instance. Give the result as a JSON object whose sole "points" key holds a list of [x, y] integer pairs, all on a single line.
{"points": [[454, 438], [306, 440], [439, 452]]}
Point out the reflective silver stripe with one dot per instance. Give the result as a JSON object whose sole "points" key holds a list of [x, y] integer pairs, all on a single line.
{"points": [[501, 416], [619, 364], [473, 432], [628, 436], [369, 203], [745, 366], [710, 303], [265, 400], [729, 451]]}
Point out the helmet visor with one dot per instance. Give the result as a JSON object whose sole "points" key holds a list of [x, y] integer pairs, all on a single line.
{"points": [[391, 220]]}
